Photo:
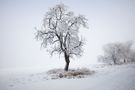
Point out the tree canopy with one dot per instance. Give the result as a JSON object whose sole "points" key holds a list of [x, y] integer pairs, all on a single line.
{"points": [[60, 31]]}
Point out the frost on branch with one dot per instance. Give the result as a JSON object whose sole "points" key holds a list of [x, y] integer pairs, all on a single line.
{"points": [[60, 32]]}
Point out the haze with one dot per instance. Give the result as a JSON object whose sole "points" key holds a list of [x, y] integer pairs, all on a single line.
{"points": [[109, 21]]}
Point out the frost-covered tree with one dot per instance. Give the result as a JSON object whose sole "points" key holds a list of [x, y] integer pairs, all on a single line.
{"points": [[132, 56], [126, 51], [111, 51], [60, 31], [118, 53]]}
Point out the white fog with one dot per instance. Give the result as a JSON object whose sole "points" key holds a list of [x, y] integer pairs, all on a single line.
{"points": [[108, 21]]}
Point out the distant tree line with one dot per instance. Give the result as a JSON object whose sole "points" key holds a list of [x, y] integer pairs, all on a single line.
{"points": [[118, 53]]}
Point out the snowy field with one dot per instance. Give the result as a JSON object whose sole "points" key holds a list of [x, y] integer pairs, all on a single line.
{"points": [[120, 77]]}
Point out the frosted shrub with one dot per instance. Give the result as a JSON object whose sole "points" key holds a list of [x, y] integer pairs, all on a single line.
{"points": [[72, 73]]}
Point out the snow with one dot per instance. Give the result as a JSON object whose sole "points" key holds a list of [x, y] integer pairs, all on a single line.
{"points": [[118, 77], [71, 73]]}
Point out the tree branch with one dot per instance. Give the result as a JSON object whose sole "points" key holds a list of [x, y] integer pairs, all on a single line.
{"points": [[80, 44]]}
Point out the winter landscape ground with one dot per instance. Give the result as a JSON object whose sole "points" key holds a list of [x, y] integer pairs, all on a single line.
{"points": [[115, 77]]}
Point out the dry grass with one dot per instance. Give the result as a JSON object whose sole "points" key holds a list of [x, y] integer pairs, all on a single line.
{"points": [[71, 73]]}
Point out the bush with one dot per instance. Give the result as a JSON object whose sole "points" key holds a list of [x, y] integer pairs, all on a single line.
{"points": [[71, 73]]}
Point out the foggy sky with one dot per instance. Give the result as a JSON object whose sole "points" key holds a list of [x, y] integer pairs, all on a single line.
{"points": [[109, 21]]}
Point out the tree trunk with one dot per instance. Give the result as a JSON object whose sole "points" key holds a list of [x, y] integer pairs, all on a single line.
{"points": [[124, 60], [114, 62], [67, 61], [114, 59]]}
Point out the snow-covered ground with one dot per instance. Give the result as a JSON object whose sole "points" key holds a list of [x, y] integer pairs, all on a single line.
{"points": [[120, 77]]}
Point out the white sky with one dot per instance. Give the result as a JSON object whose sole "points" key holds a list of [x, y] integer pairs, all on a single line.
{"points": [[109, 21]]}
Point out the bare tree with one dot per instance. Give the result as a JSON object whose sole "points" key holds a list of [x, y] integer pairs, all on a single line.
{"points": [[59, 32]]}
